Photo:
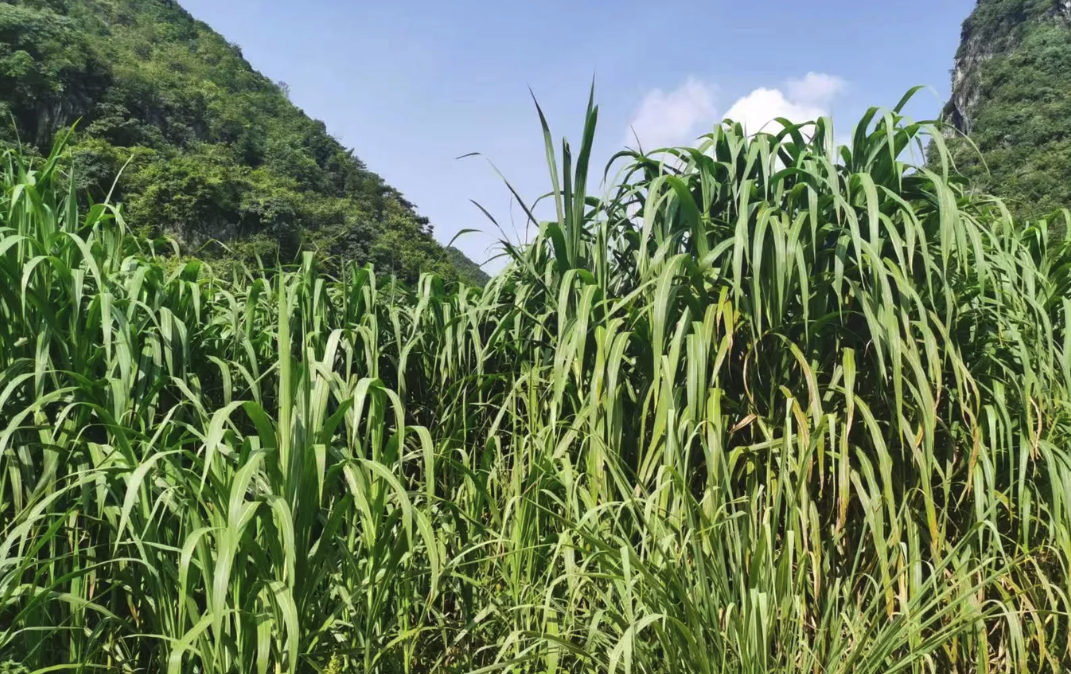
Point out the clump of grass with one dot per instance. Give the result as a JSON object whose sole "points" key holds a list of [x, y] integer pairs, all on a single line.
{"points": [[767, 405]]}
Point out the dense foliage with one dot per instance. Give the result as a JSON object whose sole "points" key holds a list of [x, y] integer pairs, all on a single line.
{"points": [[772, 405], [215, 150], [1014, 81]]}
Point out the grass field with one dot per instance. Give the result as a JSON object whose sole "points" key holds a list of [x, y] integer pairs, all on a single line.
{"points": [[763, 405]]}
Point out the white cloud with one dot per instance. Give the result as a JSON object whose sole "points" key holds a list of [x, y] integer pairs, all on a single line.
{"points": [[758, 109], [678, 117], [816, 88], [807, 98], [666, 119]]}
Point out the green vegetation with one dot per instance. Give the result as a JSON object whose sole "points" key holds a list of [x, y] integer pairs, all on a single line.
{"points": [[216, 151], [1011, 96], [768, 406]]}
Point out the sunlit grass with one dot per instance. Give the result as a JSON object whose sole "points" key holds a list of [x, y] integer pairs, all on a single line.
{"points": [[772, 406]]}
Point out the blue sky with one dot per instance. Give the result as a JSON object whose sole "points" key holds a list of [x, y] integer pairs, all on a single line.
{"points": [[412, 85]]}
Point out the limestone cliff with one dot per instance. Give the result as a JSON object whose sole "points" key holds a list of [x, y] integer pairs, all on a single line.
{"points": [[1011, 95]]}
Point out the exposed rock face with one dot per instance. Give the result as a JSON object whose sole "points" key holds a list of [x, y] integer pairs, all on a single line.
{"points": [[1011, 94], [995, 27], [973, 53]]}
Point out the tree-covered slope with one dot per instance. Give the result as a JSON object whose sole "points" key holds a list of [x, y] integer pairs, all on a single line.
{"points": [[215, 149], [1012, 97]]}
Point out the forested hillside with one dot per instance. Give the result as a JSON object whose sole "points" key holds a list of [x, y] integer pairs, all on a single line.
{"points": [[216, 150], [1012, 97]]}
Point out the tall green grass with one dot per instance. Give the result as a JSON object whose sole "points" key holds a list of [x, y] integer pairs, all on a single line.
{"points": [[765, 405]]}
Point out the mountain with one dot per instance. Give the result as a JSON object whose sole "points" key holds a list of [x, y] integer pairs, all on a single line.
{"points": [[212, 149], [1011, 96]]}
